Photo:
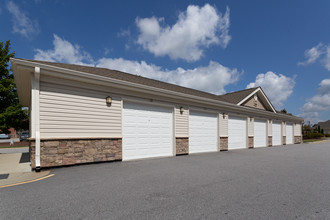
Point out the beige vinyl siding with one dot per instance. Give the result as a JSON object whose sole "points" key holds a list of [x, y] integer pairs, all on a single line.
{"points": [[70, 112], [223, 131], [250, 127], [181, 123], [270, 126], [255, 104], [283, 128], [297, 129]]}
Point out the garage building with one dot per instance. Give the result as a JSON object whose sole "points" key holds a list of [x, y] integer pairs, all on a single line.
{"points": [[82, 114]]}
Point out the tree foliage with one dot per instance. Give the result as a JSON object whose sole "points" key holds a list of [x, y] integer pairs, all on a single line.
{"points": [[11, 113]]}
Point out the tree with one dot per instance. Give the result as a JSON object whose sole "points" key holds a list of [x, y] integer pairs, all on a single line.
{"points": [[284, 111], [11, 113]]}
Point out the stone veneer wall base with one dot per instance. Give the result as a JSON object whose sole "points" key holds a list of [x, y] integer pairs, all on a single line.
{"points": [[270, 141], [65, 152], [284, 140], [223, 143], [182, 146], [251, 142], [297, 139]]}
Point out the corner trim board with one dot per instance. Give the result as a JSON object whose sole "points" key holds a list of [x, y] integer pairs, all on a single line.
{"points": [[36, 107]]}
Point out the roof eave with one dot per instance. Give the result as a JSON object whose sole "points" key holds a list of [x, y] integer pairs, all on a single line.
{"points": [[87, 77]]}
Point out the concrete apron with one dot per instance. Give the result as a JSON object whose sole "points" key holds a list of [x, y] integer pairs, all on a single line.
{"points": [[18, 172]]}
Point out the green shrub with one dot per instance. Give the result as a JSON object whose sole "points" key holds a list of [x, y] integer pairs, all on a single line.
{"points": [[327, 135], [313, 136]]}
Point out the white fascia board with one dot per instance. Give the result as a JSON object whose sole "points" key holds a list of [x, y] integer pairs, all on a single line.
{"points": [[106, 81], [254, 92]]}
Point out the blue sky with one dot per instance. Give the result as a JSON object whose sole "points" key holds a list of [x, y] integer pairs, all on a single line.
{"points": [[215, 46]]}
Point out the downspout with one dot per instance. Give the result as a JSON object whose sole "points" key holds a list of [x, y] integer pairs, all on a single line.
{"points": [[36, 117]]}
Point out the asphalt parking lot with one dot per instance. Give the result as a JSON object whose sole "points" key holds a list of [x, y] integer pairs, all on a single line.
{"points": [[290, 182]]}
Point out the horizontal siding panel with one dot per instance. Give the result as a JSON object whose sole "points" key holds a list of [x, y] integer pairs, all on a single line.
{"points": [[223, 131], [74, 118], [76, 123], [71, 90], [57, 110], [181, 123], [80, 135], [69, 111], [270, 131], [48, 98], [250, 127], [297, 129], [44, 102]]}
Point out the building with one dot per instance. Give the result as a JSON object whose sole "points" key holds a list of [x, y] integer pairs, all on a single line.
{"points": [[82, 114], [325, 126]]}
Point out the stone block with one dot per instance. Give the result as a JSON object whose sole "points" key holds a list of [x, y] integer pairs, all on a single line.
{"points": [[270, 141], [251, 142], [223, 143], [182, 146]]}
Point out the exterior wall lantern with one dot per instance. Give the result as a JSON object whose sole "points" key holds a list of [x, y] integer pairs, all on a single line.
{"points": [[181, 110], [108, 100], [224, 115]]}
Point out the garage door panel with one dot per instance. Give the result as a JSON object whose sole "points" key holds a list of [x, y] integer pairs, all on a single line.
{"points": [[203, 132], [277, 135], [260, 133], [147, 131], [236, 132], [289, 133]]}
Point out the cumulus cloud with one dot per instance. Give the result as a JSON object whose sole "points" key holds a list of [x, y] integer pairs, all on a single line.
{"points": [[64, 52], [319, 102], [313, 54], [211, 78], [326, 61], [320, 52], [195, 30], [22, 24], [276, 86]]}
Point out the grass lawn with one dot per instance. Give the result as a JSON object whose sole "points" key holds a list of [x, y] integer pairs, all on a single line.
{"points": [[313, 140], [16, 144]]}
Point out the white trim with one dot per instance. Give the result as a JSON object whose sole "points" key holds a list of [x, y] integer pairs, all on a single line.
{"points": [[36, 113], [254, 92]]}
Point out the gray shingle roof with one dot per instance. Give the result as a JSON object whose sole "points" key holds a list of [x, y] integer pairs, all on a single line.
{"points": [[234, 97], [324, 125]]}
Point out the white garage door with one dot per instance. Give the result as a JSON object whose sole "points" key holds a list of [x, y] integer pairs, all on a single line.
{"points": [[147, 131], [276, 127], [236, 132], [260, 133], [289, 133], [203, 132]]}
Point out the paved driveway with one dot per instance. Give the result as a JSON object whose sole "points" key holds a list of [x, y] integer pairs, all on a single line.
{"points": [[291, 182]]}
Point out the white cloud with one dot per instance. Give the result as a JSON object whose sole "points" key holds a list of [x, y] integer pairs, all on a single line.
{"points": [[312, 54], [320, 52], [64, 52], [319, 102], [195, 30], [211, 78], [276, 86], [22, 24], [124, 33], [326, 60]]}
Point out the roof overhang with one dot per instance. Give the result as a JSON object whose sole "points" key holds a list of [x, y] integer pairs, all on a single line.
{"points": [[24, 69]]}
